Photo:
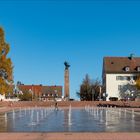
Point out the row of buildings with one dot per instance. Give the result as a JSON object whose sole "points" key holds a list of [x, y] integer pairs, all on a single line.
{"points": [[40, 92]]}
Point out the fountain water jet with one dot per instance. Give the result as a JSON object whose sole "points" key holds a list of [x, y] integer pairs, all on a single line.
{"points": [[69, 116]]}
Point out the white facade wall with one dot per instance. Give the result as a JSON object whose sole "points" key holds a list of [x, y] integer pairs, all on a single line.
{"points": [[112, 84]]}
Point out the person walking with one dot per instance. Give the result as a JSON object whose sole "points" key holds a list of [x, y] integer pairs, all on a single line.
{"points": [[56, 105]]}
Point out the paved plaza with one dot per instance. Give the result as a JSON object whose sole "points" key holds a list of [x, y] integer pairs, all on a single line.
{"points": [[70, 136]]}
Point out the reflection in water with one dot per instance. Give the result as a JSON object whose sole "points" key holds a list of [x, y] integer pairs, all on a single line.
{"points": [[5, 116], [66, 119], [3, 122], [90, 119], [13, 114], [133, 115], [69, 117]]}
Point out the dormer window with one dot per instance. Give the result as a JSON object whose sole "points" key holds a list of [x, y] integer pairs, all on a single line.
{"points": [[127, 68], [138, 68], [112, 62]]}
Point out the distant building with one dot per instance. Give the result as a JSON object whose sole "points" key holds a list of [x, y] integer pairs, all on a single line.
{"points": [[35, 90], [119, 71], [40, 92], [51, 92]]}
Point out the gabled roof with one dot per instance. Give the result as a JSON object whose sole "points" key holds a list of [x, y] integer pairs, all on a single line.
{"points": [[35, 88], [118, 64], [52, 90]]}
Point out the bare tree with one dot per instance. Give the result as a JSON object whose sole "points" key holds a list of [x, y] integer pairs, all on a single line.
{"points": [[128, 91], [89, 89]]}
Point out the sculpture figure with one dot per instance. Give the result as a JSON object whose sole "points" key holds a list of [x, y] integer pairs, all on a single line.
{"points": [[66, 65]]}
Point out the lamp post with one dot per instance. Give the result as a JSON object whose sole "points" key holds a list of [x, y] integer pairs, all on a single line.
{"points": [[93, 94], [44, 97], [100, 91], [132, 95], [104, 96], [32, 93], [55, 91]]}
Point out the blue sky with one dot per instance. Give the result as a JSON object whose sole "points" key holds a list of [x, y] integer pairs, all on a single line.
{"points": [[44, 33]]}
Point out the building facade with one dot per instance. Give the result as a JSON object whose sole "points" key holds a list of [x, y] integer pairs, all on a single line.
{"points": [[40, 92], [51, 92], [119, 72]]}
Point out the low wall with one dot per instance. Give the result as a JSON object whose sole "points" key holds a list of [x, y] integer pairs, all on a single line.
{"points": [[68, 103]]}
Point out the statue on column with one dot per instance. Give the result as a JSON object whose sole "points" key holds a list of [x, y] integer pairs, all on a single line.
{"points": [[66, 65]]}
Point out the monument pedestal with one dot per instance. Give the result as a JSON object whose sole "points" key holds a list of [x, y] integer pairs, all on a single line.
{"points": [[66, 84], [66, 81]]}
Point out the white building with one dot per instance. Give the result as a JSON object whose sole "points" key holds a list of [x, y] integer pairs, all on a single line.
{"points": [[117, 72]]}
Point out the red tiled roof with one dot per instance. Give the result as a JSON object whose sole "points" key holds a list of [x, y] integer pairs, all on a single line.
{"points": [[118, 64], [35, 88], [52, 89]]}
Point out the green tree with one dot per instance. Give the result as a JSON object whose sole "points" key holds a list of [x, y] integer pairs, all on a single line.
{"points": [[6, 68], [89, 89], [26, 96]]}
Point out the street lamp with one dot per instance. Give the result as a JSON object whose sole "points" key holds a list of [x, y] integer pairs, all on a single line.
{"points": [[32, 93], [104, 96], [100, 91], [55, 95], [93, 92], [132, 95], [30, 90]]}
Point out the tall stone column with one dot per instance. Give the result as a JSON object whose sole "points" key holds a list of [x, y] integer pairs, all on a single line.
{"points": [[66, 84], [66, 81]]}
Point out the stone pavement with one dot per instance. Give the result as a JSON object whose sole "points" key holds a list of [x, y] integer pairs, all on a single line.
{"points": [[70, 136], [68, 103]]}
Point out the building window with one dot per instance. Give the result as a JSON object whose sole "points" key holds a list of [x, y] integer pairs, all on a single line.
{"points": [[123, 78], [127, 68], [120, 87], [126, 78], [135, 78], [138, 68], [119, 77]]}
